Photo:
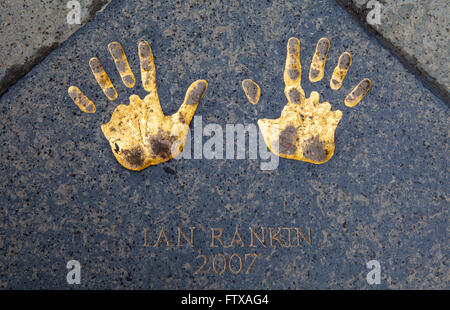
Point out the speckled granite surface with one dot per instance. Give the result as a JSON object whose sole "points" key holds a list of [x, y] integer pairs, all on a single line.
{"points": [[416, 30], [32, 29], [383, 196]]}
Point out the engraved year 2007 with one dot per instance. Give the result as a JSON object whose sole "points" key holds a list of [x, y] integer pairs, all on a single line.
{"points": [[221, 262]]}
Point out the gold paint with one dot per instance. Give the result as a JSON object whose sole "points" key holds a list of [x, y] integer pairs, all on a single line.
{"points": [[339, 73], [261, 238], [148, 72], [202, 269], [275, 237], [251, 90], [317, 68], [230, 264], [305, 130], [102, 78], [224, 268], [205, 267], [162, 238], [255, 256], [293, 67], [146, 231], [140, 134], [120, 59], [237, 238], [189, 240], [358, 93], [81, 100], [217, 237], [290, 245], [301, 236]]}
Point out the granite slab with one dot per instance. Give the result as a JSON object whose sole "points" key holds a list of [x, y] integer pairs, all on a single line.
{"points": [[383, 196]]}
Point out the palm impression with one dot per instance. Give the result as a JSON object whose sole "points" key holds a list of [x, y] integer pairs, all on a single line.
{"points": [[305, 129], [139, 133]]}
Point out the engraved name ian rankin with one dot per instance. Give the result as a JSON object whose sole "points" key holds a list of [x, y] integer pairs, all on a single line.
{"points": [[251, 238]]}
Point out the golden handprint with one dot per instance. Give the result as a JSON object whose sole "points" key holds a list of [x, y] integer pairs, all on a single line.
{"points": [[140, 134], [305, 129]]}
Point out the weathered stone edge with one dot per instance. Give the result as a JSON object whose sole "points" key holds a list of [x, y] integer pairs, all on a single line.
{"points": [[14, 73], [410, 61]]}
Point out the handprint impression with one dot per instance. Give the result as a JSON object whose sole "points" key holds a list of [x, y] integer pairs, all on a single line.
{"points": [[140, 134], [305, 129]]}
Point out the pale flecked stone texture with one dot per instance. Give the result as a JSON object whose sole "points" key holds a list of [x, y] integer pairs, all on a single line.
{"points": [[31, 29], [383, 195], [418, 31]]}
